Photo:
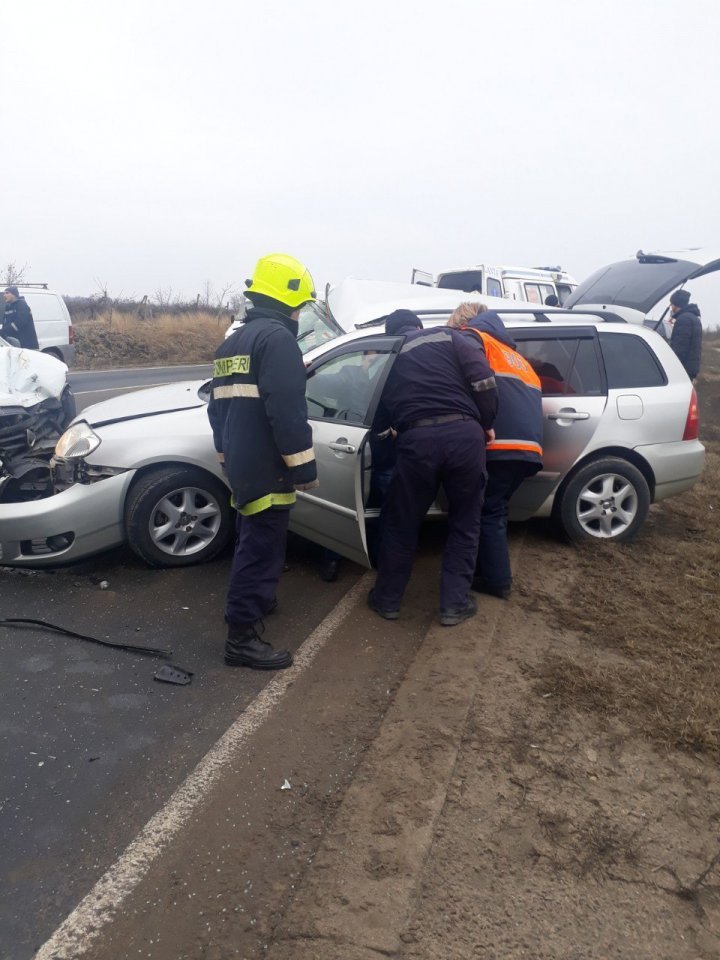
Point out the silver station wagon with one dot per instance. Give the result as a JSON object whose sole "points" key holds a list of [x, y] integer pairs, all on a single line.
{"points": [[621, 432]]}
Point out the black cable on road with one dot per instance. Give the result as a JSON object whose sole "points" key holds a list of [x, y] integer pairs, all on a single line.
{"points": [[144, 651]]}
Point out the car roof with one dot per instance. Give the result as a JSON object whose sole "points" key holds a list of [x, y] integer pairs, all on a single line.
{"points": [[512, 318]]}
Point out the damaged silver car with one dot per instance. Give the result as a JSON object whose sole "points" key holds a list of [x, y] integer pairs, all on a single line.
{"points": [[36, 405]]}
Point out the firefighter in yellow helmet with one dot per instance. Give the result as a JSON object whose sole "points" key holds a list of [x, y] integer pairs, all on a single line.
{"points": [[258, 415]]}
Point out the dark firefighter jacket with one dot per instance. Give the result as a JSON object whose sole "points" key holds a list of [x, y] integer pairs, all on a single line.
{"points": [[17, 322], [258, 413], [686, 338], [437, 372], [519, 422]]}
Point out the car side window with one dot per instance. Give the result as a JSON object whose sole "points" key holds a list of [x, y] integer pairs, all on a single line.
{"points": [[630, 362], [494, 288], [586, 376], [565, 365], [343, 388]]}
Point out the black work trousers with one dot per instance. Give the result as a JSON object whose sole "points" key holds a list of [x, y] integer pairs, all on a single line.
{"points": [[451, 454], [257, 565], [493, 561]]}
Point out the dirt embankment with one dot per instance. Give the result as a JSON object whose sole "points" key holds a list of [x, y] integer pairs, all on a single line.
{"points": [[122, 340]]}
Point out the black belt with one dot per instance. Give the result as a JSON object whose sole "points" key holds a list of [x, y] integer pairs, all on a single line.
{"points": [[432, 421]]}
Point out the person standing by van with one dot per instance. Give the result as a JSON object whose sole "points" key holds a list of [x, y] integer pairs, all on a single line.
{"points": [[17, 321]]}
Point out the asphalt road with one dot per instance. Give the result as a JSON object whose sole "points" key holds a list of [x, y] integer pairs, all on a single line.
{"points": [[92, 386], [90, 744]]}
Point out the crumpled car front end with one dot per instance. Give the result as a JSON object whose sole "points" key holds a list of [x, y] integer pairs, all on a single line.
{"points": [[36, 405]]}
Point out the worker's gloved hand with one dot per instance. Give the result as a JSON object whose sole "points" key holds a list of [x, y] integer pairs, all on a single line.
{"points": [[307, 486]]}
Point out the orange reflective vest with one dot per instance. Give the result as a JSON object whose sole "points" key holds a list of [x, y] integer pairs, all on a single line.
{"points": [[519, 423]]}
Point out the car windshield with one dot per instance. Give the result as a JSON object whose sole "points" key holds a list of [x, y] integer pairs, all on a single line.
{"points": [[469, 281], [631, 283], [315, 327]]}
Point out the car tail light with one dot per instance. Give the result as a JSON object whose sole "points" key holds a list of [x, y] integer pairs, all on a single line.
{"points": [[692, 424], [71, 334]]}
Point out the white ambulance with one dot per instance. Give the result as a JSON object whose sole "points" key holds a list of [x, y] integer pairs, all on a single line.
{"points": [[528, 284]]}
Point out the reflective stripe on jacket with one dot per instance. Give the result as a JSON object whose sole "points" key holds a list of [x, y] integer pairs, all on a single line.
{"points": [[519, 422], [258, 413]]}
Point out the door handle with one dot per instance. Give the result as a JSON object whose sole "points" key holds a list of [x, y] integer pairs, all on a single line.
{"points": [[568, 415], [342, 446]]}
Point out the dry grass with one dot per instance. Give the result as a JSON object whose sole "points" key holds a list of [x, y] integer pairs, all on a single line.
{"points": [[122, 340], [650, 617]]}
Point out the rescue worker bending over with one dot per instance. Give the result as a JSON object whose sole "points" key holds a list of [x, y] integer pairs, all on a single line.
{"points": [[258, 415], [441, 399], [515, 453]]}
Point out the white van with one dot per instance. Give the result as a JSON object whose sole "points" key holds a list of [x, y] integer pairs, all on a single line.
{"points": [[528, 284], [52, 321]]}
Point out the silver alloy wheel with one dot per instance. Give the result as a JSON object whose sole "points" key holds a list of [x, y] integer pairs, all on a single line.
{"points": [[184, 521], [607, 505]]}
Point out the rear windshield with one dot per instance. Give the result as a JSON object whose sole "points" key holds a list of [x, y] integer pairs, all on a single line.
{"points": [[630, 283]]}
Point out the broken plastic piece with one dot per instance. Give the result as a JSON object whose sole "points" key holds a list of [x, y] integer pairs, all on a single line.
{"points": [[286, 785], [170, 673]]}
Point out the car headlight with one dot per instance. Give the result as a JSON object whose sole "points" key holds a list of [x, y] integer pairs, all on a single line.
{"points": [[77, 442]]}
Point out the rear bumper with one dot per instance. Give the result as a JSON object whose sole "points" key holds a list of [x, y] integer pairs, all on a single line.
{"points": [[677, 466], [89, 517]]}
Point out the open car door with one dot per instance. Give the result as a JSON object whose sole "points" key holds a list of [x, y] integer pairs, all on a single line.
{"points": [[343, 392], [422, 278]]}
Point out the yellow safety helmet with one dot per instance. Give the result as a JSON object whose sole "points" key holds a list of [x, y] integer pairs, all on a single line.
{"points": [[283, 278]]}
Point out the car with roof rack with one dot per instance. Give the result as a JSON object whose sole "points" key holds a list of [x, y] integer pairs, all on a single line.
{"points": [[620, 432]]}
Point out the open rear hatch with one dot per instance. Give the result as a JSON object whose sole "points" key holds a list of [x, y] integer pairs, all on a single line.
{"points": [[640, 284]]}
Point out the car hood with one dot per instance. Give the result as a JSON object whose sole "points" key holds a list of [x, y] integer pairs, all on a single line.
{"points": [[640, 284], [147, 403], [28, 377], [355, 303]]}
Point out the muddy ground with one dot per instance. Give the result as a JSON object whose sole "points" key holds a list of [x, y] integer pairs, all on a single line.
{"points": [[539, 783]]}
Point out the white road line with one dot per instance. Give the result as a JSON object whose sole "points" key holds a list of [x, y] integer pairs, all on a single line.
{"points": [[84, 925], [137, 386], [186, 366]]}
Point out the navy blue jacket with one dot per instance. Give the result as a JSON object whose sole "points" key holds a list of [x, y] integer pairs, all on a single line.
{"points": [[258, 412], [17, 322], [686, 338], [437, 372], [519, 422]]}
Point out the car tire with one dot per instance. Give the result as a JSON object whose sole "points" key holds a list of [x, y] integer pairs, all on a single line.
{"points": [[607, 499], [178, 517], [69, 407]]}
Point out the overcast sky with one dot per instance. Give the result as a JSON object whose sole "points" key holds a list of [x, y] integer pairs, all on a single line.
{"points": [[154, 145]]}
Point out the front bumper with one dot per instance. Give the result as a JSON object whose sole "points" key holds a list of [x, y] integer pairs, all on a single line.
{"points": [[80, 521]]}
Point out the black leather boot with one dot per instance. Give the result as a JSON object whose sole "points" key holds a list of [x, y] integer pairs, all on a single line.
{"points": [[245, 647]]}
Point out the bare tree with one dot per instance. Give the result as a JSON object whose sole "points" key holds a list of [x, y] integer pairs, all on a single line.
{"points": [[224, 299], [163, 297], [14, 273]]}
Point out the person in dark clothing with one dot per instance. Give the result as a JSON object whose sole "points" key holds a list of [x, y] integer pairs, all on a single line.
{"points": [[440, 398], [515, 453], [686, 337], [258, 416], [551, 300], [17, 321]]}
